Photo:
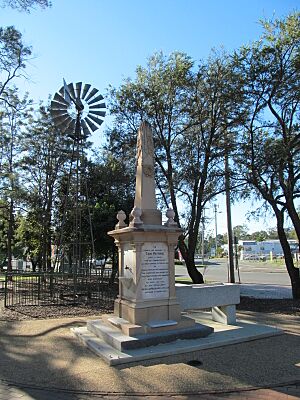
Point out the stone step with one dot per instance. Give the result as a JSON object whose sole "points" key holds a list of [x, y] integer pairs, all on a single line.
{"points": [[110, 334], [115, 338], [176, 351]]}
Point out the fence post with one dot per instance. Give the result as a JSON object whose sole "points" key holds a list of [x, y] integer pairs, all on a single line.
{"points": [[39, 286], [5, 290]]}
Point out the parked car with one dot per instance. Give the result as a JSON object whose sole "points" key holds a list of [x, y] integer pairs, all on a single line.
{"points": [[251, 257]]}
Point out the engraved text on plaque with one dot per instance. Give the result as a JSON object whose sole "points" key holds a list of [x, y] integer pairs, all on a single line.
{"points": [[155, 271]]}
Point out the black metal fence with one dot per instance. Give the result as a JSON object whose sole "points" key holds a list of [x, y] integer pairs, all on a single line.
{"points": [[53, 288]]}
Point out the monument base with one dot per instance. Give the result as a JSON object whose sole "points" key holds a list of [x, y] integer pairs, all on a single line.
{"points": [[108, 329], [176, 351], [106, 335], [140, 313]]}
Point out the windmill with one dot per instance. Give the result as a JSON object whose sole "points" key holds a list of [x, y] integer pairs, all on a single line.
{"points": [[77, 110]]}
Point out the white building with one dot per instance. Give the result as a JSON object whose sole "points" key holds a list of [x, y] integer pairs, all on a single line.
{"points": [[250, 249]]}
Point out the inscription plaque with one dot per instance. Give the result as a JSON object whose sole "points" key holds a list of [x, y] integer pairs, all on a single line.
{"points": [[155, 271]]}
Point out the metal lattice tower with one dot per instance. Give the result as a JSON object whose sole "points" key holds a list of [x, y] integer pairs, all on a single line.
{"points": [[77, 110]]}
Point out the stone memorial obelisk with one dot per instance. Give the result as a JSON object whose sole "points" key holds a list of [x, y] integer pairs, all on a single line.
{"points": [[146, 254], [146, 311], [147, 301]]}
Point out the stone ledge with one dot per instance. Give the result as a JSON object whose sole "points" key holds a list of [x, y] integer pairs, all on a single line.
{"points": [[207, 296], [115, 337]]}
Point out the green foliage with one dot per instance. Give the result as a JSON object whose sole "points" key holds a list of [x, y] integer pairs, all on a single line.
{"points": [[29, 234], [241, 232], [111, 188], [25, 5], [16, 245], [13, 57], [268, 157], [269, 154], [11, 127], [189, 112], [3, 232]]}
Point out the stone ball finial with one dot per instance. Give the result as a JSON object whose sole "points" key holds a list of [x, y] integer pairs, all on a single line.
{"points": [[136, 216], [170, 214], [121, 216]]}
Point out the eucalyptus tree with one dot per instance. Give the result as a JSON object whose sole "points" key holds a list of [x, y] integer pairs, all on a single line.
{"points": [[111, 188], [24, 5], [13, 118], [46, 156], [13, 57], [189, 112], [269, 154]]}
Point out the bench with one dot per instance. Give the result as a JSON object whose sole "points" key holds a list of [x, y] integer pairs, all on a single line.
{"points": [[221, 298]]}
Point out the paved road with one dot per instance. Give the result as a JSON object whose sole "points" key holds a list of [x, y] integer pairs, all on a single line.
{"points": [[250, 272]]}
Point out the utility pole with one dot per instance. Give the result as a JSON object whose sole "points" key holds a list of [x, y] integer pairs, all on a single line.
{"points": [[237, 257], [202, 235], [216, 230], [228, 210]]}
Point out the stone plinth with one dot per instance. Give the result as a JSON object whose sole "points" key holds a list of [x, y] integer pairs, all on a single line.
{"points": [[146, 274]]}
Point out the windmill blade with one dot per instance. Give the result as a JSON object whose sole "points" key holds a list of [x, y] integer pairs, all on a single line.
{"points": [[95, 112], [86, 88], [78, 86], [58, 113], [70, 127], [58, 106], [95, 119], [62, 121], [98, 98], [60, 99], [91, 94], [71, 89], [85, 128], [101, 105], [91, 125], [62, 118]]}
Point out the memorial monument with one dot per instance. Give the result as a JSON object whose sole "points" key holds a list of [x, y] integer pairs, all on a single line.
{"points": [[146, 312]]}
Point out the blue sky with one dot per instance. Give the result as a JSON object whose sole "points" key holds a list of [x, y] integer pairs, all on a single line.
{"points": [[101, 42]]}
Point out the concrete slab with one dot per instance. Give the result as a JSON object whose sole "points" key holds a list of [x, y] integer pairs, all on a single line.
{"points": [[191, 297], [179, 350]]}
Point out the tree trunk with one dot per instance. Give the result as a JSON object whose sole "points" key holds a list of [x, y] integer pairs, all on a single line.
{"points": [[33, 263], [290, 206], [10, 232], [289, 262], [188, 257], [48, 240]]}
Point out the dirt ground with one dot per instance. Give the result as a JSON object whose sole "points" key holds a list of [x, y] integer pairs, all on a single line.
{"points": [[18, 313]]}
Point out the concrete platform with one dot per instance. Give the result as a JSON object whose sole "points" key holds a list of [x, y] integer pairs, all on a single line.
{"points": [[179, 350]]}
